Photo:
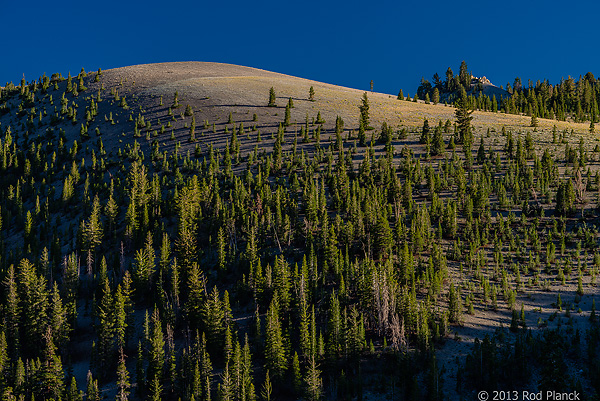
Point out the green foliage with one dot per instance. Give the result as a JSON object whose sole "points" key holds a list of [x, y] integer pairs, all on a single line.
{"points": [[323, 261], [272, 98], [463, 120], [275, 352]]}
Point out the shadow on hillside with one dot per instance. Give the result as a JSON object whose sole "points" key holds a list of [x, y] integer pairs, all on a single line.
{"points": [[246, 105]]}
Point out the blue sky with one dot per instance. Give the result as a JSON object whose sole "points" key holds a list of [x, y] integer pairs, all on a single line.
{"points": [[350, 43]]}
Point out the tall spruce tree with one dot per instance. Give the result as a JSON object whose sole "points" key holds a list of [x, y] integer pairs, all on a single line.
{"points": [[272, 98], [463, 119], [275, 352]]}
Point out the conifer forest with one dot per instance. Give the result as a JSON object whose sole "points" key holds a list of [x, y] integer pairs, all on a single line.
{"points": [[162, 238]]}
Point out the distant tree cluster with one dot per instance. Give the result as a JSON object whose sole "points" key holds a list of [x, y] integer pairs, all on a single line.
{"points": [[569, 98]]}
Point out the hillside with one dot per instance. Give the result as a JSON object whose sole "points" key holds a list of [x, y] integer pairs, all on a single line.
{"points": [[165, 229]]}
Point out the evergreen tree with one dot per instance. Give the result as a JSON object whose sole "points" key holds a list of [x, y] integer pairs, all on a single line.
{"points": [[334, 328], [464, 76], [272, 98], [195, 287], [212, 318], [226, 390], [91, 391], [454, 304], [463, 119], [11, 313], [4, 361], [481, 152], [51, 371], [122, 378], [267, 388], [534, 120], [438, 142], [296, 378], [275, 352], [436, 96], [156, 389], [105, 326], [73, 393], [156, 357], [383, 237], [425, 133], [313, 381], [287, 115], [364, 112], [58, 317]]}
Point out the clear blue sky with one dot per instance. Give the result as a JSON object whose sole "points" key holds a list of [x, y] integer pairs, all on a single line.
{"points": [[393, 43]]}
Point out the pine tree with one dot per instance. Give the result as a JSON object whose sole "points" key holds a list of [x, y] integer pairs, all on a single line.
{"points": [[91, 390], [296, 378], [454, 304], [364, 112], [206, 369], [144, 266], [274, 345], [120, 318], [122, 378], [228, 344], [425, 133], [195, 302], [221, 249], [156, 389], [436, 96], [34, 301], [579, 284], [311, 94], [272, 98], [481, 152], [4, 360], [383, 237], [463, 119], [464, 76], [334, 327], [305, 345], [226, 390], [52, 371], [73, 393], [140, 371], [105, 327], [156, 357], [267, 388], [212, 318], [58, 317], [92, 234], [11, 312], [192, 131], [534, 120], [313, 381]]}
